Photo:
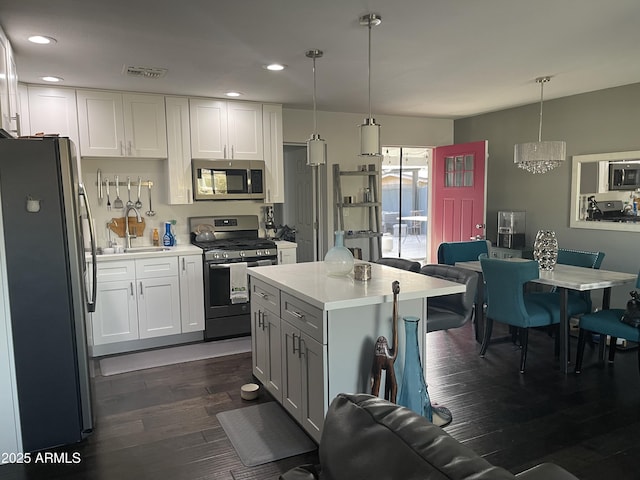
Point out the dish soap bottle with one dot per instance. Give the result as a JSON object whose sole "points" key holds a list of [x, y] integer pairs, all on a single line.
{"points": [[168, 238], [156, 238]]}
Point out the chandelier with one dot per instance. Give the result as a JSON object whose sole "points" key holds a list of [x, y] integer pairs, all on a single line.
{"points": [[540, 157]]}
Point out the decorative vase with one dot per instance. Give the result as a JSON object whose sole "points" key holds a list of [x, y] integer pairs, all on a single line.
{"points": [[545, 249], [338, 260], [413, 389]]}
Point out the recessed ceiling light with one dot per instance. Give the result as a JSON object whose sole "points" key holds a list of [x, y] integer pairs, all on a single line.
{"points": [[275, 67], [233, 94], [41, 40], [52, 79]]}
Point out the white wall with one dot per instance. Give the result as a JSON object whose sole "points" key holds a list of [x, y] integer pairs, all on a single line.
{"points": [[340, 130]]}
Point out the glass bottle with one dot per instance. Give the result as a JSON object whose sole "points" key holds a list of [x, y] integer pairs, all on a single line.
{"points": [[338, 260], [413, 389], [167, 238]]}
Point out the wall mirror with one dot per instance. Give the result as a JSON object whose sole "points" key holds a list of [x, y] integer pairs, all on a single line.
{"points": [[603, 189]]}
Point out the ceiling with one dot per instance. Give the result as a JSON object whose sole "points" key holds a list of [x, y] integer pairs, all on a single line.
{"points": [[434, 58]]}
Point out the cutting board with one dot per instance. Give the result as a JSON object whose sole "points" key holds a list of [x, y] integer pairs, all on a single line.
{"points": [[117, 226]]}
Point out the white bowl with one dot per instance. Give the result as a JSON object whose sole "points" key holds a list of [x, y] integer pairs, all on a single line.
{"points": [[249, 391]]}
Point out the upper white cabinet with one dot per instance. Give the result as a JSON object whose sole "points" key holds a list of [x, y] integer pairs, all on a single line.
{"points": [[112, 124], [52, 110], [179, 181], [226, 130], [8, 88], [273, 153]]}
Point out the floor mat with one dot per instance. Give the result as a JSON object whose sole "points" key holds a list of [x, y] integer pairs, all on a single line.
{"points": [[170, 356], [264, 433]]}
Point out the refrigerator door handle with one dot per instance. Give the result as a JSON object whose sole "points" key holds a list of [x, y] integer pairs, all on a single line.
{"points": [[91, 305]]}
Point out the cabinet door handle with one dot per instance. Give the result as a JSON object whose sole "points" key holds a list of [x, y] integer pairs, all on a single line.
{"points": [[231, 152], [294, 343], [184, 269], [129, 148], [141, 289], [224, 150], [301, 342], [260, 320], [279, 257], [131, 287]]}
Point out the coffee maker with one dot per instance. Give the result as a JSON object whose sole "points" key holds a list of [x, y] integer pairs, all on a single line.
{"points": [[511, 229], [269, 222]]}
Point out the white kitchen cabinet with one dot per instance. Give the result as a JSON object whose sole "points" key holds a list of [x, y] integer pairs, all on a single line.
{"points": [[266, 337], [179, 178], [52, 110], [116, 315], [158, 296], [136, 299], [287, 252], [5, 115], [226, 130], [273, 153], [191, 293], [113, 124]]}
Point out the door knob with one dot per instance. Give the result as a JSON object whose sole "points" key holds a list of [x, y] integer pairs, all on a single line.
{"points": [[480, 225]]}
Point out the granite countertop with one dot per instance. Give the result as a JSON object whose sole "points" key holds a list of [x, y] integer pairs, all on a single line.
{"points": [[309, 282]]}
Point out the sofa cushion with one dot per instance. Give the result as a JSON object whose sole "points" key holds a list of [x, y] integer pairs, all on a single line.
{"points": [[367, 437]]}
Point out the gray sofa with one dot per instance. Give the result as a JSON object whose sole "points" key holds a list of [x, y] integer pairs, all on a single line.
{"points": [[366, 437]]}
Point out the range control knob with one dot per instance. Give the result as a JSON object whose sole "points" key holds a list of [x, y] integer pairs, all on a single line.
{"points": [[242, 254], [225, 255], [216, 255], [258, 252]]}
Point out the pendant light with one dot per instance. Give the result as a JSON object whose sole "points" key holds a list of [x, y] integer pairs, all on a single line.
{"points": [[370, 130], [540, 157], [316, 146]]}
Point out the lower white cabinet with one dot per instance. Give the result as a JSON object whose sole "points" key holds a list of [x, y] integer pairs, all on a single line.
{"points": [[146, 298], [191, 293], [287, 252]]}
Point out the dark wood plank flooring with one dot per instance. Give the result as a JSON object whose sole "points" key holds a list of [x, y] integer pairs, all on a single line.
{"points": [[161, 423]]}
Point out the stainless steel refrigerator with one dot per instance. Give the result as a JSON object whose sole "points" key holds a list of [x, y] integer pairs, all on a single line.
{"points": [[43, 205]]}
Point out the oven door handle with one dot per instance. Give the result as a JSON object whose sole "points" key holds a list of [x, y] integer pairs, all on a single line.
{"points": [[227, 265]]}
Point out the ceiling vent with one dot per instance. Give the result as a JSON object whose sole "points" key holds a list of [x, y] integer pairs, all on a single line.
{"points": [[145, 72]]}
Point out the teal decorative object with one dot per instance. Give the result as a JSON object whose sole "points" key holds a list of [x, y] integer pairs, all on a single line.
{"points": [[338, 260], [413, 389]]}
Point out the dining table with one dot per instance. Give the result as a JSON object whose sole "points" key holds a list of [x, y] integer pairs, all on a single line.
{"points": [[565, 278]]}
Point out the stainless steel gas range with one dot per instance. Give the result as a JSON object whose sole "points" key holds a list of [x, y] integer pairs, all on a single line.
{"points": [[236, 246]]}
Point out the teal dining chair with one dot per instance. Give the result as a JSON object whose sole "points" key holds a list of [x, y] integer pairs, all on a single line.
{"points": [[606, 322], [451, 252], [508, 303]]}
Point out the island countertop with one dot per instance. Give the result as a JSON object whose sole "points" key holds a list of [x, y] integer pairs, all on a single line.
{"points": [[309, 282]]}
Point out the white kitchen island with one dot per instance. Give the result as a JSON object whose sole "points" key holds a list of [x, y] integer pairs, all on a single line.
{"points": [[313, 336]]}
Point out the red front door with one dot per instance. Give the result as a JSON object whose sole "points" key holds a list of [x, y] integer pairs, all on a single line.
{"points": [[458, 194]]}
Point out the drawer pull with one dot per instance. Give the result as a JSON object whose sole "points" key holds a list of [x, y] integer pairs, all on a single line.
{"points": [[296, 314], [263, 295]]}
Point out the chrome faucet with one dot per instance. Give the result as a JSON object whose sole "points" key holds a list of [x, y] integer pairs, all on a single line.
{"points": [[127, 235]]}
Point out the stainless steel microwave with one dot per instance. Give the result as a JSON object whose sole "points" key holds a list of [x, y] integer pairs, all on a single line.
{"points": [[624, 176], [228, 180]]}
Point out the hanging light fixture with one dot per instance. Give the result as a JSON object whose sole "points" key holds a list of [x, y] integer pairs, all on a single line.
{"points": [[370, 130], [316, 146], [540, 157]]}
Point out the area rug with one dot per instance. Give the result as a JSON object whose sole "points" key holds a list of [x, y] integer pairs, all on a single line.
{"points": [[264, 433], [172, 355]]}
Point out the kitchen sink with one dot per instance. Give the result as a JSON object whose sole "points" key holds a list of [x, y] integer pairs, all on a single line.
{"points": [[146, 249]]}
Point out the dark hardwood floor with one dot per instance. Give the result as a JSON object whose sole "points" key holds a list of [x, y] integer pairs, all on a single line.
{"points": [[161, 423]]}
